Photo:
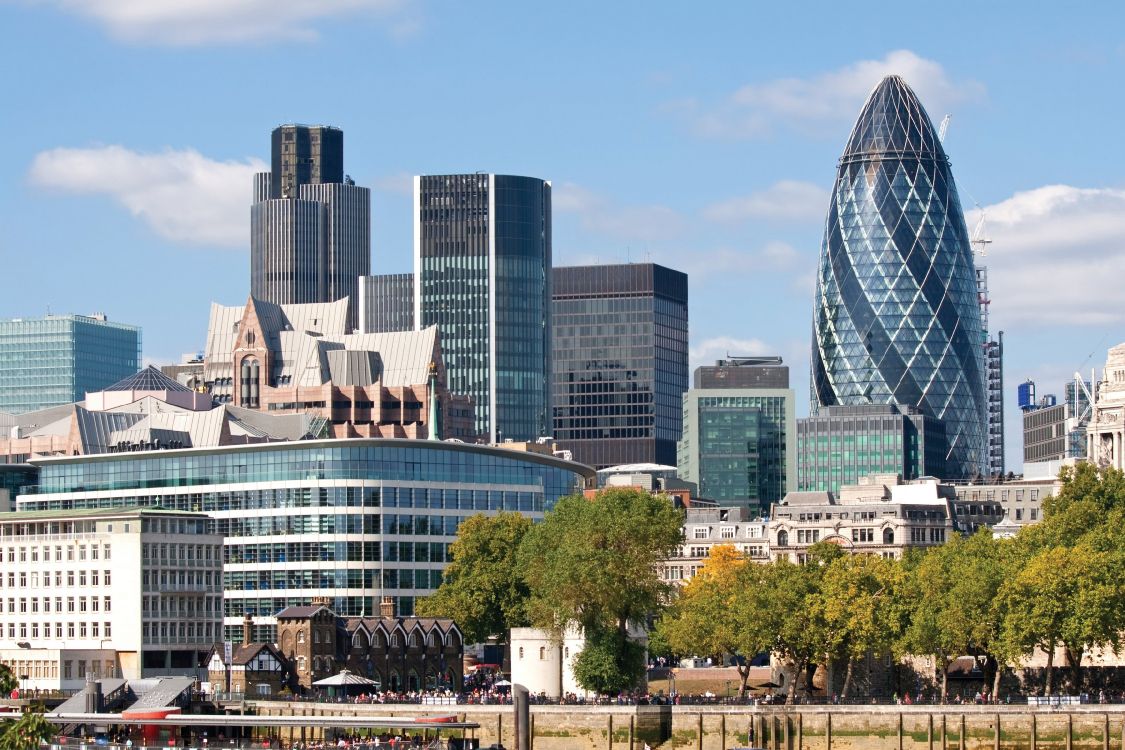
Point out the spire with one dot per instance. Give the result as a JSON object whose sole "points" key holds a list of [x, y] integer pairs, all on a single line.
{"points": [[434, 427], [894, 123]]}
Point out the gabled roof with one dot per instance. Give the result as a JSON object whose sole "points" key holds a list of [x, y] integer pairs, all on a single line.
{"points": [[148, 379], [302, 612]]}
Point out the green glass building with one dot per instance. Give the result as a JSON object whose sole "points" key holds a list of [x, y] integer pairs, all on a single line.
{"points": [[58, 359], [843, 443], [739, 434]]}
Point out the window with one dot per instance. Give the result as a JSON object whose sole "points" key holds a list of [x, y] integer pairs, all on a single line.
{"points": [[699, 532], [542, 653], [783, 539], [863, 535], [726, 532], [521, 652], [1034, 514]]}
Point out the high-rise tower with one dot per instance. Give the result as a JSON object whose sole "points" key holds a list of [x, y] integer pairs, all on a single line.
{"points": [[896, 318], [310, 225], [620, 357], [482, 274]]}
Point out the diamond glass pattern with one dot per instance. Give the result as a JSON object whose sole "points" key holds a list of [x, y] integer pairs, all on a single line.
{"points": [[896, 316]]}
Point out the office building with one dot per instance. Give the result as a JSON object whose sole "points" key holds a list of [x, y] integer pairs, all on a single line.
{"points": [[620, 361], [879, 515], [298, 359], [842, 444], [1054, 431], [386, 303], [707, 527], [482, 275], [897, 316], [310, 224], [993, 351], [739, 442], [111, 592], [55, 360], [12, 478], [351, 520]]}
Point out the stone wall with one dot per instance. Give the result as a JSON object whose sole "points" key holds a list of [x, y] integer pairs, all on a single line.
{"points": [[798, 728]]}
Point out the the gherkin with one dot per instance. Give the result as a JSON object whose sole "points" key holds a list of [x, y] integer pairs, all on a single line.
{"points": [[896, 319]]}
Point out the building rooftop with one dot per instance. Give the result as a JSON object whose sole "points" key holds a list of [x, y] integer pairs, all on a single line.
{"points": [[148, 379]]}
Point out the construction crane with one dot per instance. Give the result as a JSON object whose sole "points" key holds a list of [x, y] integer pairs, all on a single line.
{"points": [[979, 242], [943, 127]]}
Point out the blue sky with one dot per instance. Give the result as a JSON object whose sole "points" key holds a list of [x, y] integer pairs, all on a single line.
{"points": [[703, 136]]}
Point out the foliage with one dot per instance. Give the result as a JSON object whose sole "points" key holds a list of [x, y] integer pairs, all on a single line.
{"points": [[952, 592], [8, 680], [594, 563], [27, 732], [482, 588], [609, 662], [706, 618]]}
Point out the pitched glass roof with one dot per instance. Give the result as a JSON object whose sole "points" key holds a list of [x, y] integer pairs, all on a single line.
{"points": [[148, 379]]}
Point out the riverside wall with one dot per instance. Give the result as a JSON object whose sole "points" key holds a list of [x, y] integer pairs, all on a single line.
{"points": [[1093, 727]]}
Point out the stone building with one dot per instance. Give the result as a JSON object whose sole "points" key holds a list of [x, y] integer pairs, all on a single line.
{"points": [[398, 653], [1105, 435], [299, 358], [881, 515]]}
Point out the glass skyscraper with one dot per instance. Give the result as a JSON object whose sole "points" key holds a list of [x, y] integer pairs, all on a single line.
{"points": [[896, 318], [386, 303], [739, 439], [482, 274], [310, 225], [620, 359], [57, 359]]}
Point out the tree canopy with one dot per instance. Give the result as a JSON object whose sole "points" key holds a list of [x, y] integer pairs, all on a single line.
{"points": [[482, 588]]}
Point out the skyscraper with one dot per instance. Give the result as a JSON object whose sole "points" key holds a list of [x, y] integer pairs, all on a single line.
{"points": [[310, 225], [482, 274], [386, 303], [993, 350], [739, 439], [896, 318], [58, 359], [619, 353]]}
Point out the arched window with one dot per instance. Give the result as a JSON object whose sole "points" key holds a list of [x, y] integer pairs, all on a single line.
{"points": [[248, 383], [394, 641], [542, 653], [414, 642], [783, 539], [359, 640], [300, 636], [888, 536]]}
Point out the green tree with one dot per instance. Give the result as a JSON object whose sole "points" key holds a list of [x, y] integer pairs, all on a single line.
{"points": [[783, 609], [482, 588], [609, 662], [28, 731], [954, 610], [863, 608], [8, 681], [594, 563], [1064, 596]]}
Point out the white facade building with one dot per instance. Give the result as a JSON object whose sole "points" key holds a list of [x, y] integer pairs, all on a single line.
{"points": [[546, 666], [1105, 435], [705, 528], [116, 592], [882, 515]]}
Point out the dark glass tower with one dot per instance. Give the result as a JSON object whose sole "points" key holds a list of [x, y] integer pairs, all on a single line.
{"points": [[896, 318], [310, 225], [482, 274], [620, 359]]}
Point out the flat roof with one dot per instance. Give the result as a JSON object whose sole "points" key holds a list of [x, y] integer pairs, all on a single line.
{"points": [[286, 445], [84, 513]]}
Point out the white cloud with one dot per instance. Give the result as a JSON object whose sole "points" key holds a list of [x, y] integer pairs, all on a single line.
{"points": [[182, 195], [599, 214], [1057, 256], [787, 200], [757, 109], [189, 22], [771, 257]]}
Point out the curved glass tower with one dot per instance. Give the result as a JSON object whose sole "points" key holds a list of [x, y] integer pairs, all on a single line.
{"points": [[896, 317]]}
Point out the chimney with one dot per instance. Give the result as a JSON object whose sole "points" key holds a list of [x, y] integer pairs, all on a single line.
{"points": [[247, 630], [320, 601], [387, 607]]}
